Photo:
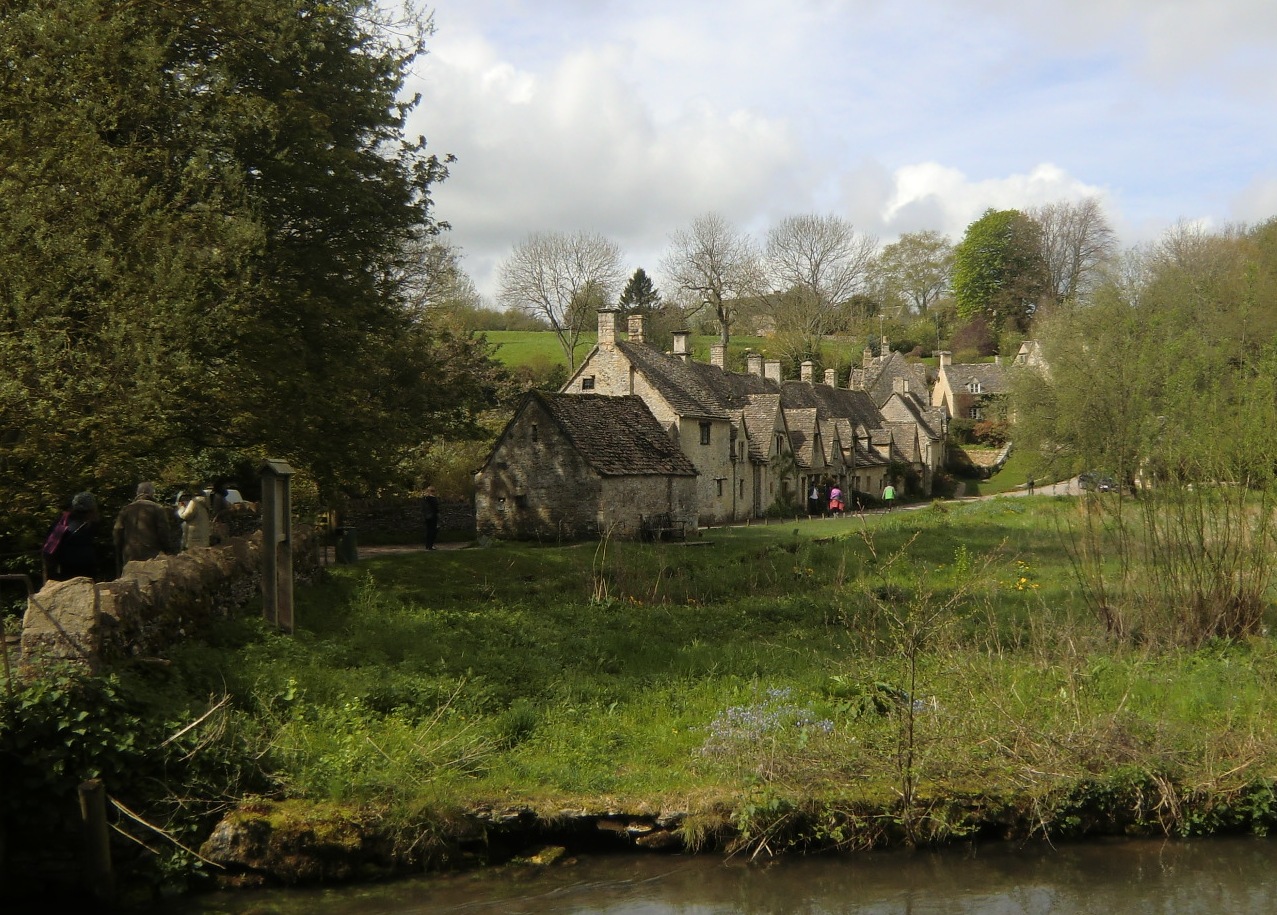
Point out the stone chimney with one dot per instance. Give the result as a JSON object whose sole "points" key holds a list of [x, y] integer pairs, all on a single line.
{"points": [[946, 358], [754, 363], [718, 354], [866, 358], [772, 370], [680, 344], [638, 328], [805, 369], [831, 377], [607, 327]]}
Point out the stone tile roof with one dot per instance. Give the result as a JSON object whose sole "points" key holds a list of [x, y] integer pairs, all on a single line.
{"points": [[682, 384], [803, 426], [904, 440], [990, 375], [880, 377], [761, 421], [617, 436], [832, 402]]}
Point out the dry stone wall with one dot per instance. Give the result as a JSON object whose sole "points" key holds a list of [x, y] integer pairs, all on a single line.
{"points": [[153, 603]]}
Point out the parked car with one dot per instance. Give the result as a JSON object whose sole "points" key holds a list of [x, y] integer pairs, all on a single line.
{"points": [[1093, 481]]}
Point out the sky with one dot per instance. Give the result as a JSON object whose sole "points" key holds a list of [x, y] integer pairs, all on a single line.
{"points": [[631, 119]]}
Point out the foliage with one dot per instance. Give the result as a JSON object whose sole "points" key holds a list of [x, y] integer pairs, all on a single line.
{"points": [[912, 273], [211, 255], [999, 271]]}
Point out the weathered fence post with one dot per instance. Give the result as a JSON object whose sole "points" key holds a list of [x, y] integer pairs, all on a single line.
{"points": [[277, 544], [97, 841]]}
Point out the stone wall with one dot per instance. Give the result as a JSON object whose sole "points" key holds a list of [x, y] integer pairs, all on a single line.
{"points": [[153, 603], [403, 518]]}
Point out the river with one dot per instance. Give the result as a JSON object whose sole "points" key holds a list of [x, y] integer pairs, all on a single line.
{"points": [[1227, 876]]}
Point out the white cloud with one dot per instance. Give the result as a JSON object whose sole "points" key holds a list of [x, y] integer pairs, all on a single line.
{"points": [[632, 119]]}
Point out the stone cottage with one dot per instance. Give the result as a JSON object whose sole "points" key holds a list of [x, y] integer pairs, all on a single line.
{"points": [[971, 390], [573, 466], [754, 438]]}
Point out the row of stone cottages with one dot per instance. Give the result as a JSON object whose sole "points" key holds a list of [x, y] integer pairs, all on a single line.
{"points": [[637, 433]]}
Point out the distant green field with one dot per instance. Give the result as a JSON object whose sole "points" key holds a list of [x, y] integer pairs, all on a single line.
{"points": [[521, 347]]}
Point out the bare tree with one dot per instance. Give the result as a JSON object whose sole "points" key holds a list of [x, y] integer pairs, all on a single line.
{"points": [[1077, 241], [913, 272], [432, 278], [563, 279], [814, 264], [712, 265]]}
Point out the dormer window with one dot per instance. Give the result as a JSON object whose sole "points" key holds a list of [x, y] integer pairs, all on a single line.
{"points": [[973, 387], [587, 383], [780, 442]]}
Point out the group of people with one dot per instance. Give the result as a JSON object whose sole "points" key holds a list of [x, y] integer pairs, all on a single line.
{"points": [[143, 529], [829, 498]]}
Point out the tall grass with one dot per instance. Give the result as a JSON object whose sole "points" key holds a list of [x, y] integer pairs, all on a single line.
{"points": [[899, 661]]}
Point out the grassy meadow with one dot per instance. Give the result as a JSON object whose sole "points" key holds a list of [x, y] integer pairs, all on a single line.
{"points": [[917, 664], [520, 347]]}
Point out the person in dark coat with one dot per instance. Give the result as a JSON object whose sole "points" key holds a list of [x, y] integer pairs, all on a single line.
{"points": [[144, 529], [69, 551], [430, 510]]}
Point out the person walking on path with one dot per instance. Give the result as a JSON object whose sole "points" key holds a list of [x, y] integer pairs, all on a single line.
{"points": [[836, 504], [1031, 484], [430, 510], [196, 520], [889, 494], [68, 550], [143, 529]]}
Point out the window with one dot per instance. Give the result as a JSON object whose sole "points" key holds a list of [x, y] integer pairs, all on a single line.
{"points": [[742, 489], [719, 484], [536, 435], [780, 442], [705, 427], [973, 387], [587, 383]]}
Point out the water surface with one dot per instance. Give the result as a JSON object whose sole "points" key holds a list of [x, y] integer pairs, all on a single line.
{"points": [[1210, 876]]}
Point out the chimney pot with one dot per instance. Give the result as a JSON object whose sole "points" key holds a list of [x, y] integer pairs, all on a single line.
{"points": [[638, 328], [607, 327]]}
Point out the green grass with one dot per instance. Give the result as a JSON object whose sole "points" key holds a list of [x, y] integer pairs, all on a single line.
{"points": [[518, 347], [699, 676]]}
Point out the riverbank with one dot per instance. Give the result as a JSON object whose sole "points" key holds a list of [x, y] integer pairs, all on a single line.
{"points": [[913, 677]]}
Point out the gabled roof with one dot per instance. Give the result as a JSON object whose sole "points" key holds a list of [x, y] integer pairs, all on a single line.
{"points": [[904, 441], [762, 419], [930, 421], [616, 436], [991, 376], [880, 377], [832, 402], [681, 383], [804, 426]]}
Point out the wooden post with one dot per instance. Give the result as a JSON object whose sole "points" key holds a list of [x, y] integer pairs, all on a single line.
{"points": [[277, 544], [97, 841]]}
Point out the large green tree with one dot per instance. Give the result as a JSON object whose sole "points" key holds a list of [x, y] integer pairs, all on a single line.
{"points": [[999, 271], [206, 207]]}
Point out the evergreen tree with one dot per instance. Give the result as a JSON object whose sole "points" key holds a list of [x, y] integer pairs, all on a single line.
{"points": [[206, 205], [639, 294]]}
